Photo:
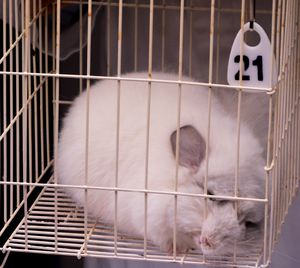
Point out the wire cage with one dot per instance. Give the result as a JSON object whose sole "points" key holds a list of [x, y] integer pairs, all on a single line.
{"points": [[47, 59]]}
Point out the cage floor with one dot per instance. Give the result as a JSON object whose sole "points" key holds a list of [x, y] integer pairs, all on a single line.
{"points": [[63, 234]]}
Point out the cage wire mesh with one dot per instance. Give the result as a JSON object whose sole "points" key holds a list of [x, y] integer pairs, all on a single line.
{"points": [[37, 215]]}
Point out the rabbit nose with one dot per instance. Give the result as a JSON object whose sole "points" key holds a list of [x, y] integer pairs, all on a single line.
{"points": [[205, 242]]}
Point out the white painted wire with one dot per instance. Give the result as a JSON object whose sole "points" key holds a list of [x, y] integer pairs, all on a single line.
{"points": [[276, 121], [108, 38], [163, 33], [238, 120], [56, 114], [190, 38], [268, 235], [11, 112], [136, 34], [257, 89], [180, 73], [119, 62], [18, 156], [35, 125], [41, 106], [25, 124], [80, 46], [217, 68], [87, 124], [150, 55], [4, 114]]}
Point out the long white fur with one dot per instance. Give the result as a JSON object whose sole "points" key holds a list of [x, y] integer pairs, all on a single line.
{"points": [[161, 162]]}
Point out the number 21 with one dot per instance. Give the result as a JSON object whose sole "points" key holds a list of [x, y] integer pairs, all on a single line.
{"points": [[257, 62]]}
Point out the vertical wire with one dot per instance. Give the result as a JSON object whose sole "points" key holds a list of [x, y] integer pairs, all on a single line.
{"points": [[25, 111], [291, 136], [35, 113], [53, 50], [280, 144], [29, 89], [120, 21], [191, 38], [80, 46], [2, 153], [281, 113], [211, 41], [289, 106], [296, 89], [181, 35], [295, 98], [298, 107], [298, 99], [42, 128], [218, 41], [239, 100], [150, 56], [286, 111], [278, 34], [22, 97], [17, 108], [269, 152], [292, 83], [295, 101], [180, 63], [47, 88], [210, 78], [88, 71], [5, 148], [136, 35], [56, 127], [209, 103], [281, 63], [275, 133], [294, 142], [108, 38], [276, 124], [290, 103], [238, 130], [11, 112], [163, 32]]}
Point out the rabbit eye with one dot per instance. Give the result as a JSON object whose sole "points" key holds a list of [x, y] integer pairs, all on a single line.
{"points": [[218, 201], [251, 224], [211, 193]]}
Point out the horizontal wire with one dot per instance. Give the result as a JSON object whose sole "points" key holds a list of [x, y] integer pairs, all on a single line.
{"points": [[120, 78], [163, 6], [121, 189]]}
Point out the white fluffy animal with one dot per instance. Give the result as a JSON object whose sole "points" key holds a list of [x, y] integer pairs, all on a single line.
{"points": [[213, 232]]}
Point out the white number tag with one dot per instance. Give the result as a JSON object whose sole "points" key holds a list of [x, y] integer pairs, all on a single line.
{"points": [[256, 61]]}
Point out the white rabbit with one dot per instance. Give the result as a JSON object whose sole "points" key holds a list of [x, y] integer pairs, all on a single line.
{"points": [[214, 231]]}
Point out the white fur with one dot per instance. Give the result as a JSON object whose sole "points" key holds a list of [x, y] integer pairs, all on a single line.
{"points": [[101, 169]]}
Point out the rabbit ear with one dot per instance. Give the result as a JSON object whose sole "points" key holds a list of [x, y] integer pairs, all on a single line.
{"points": [[192, 147]]}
